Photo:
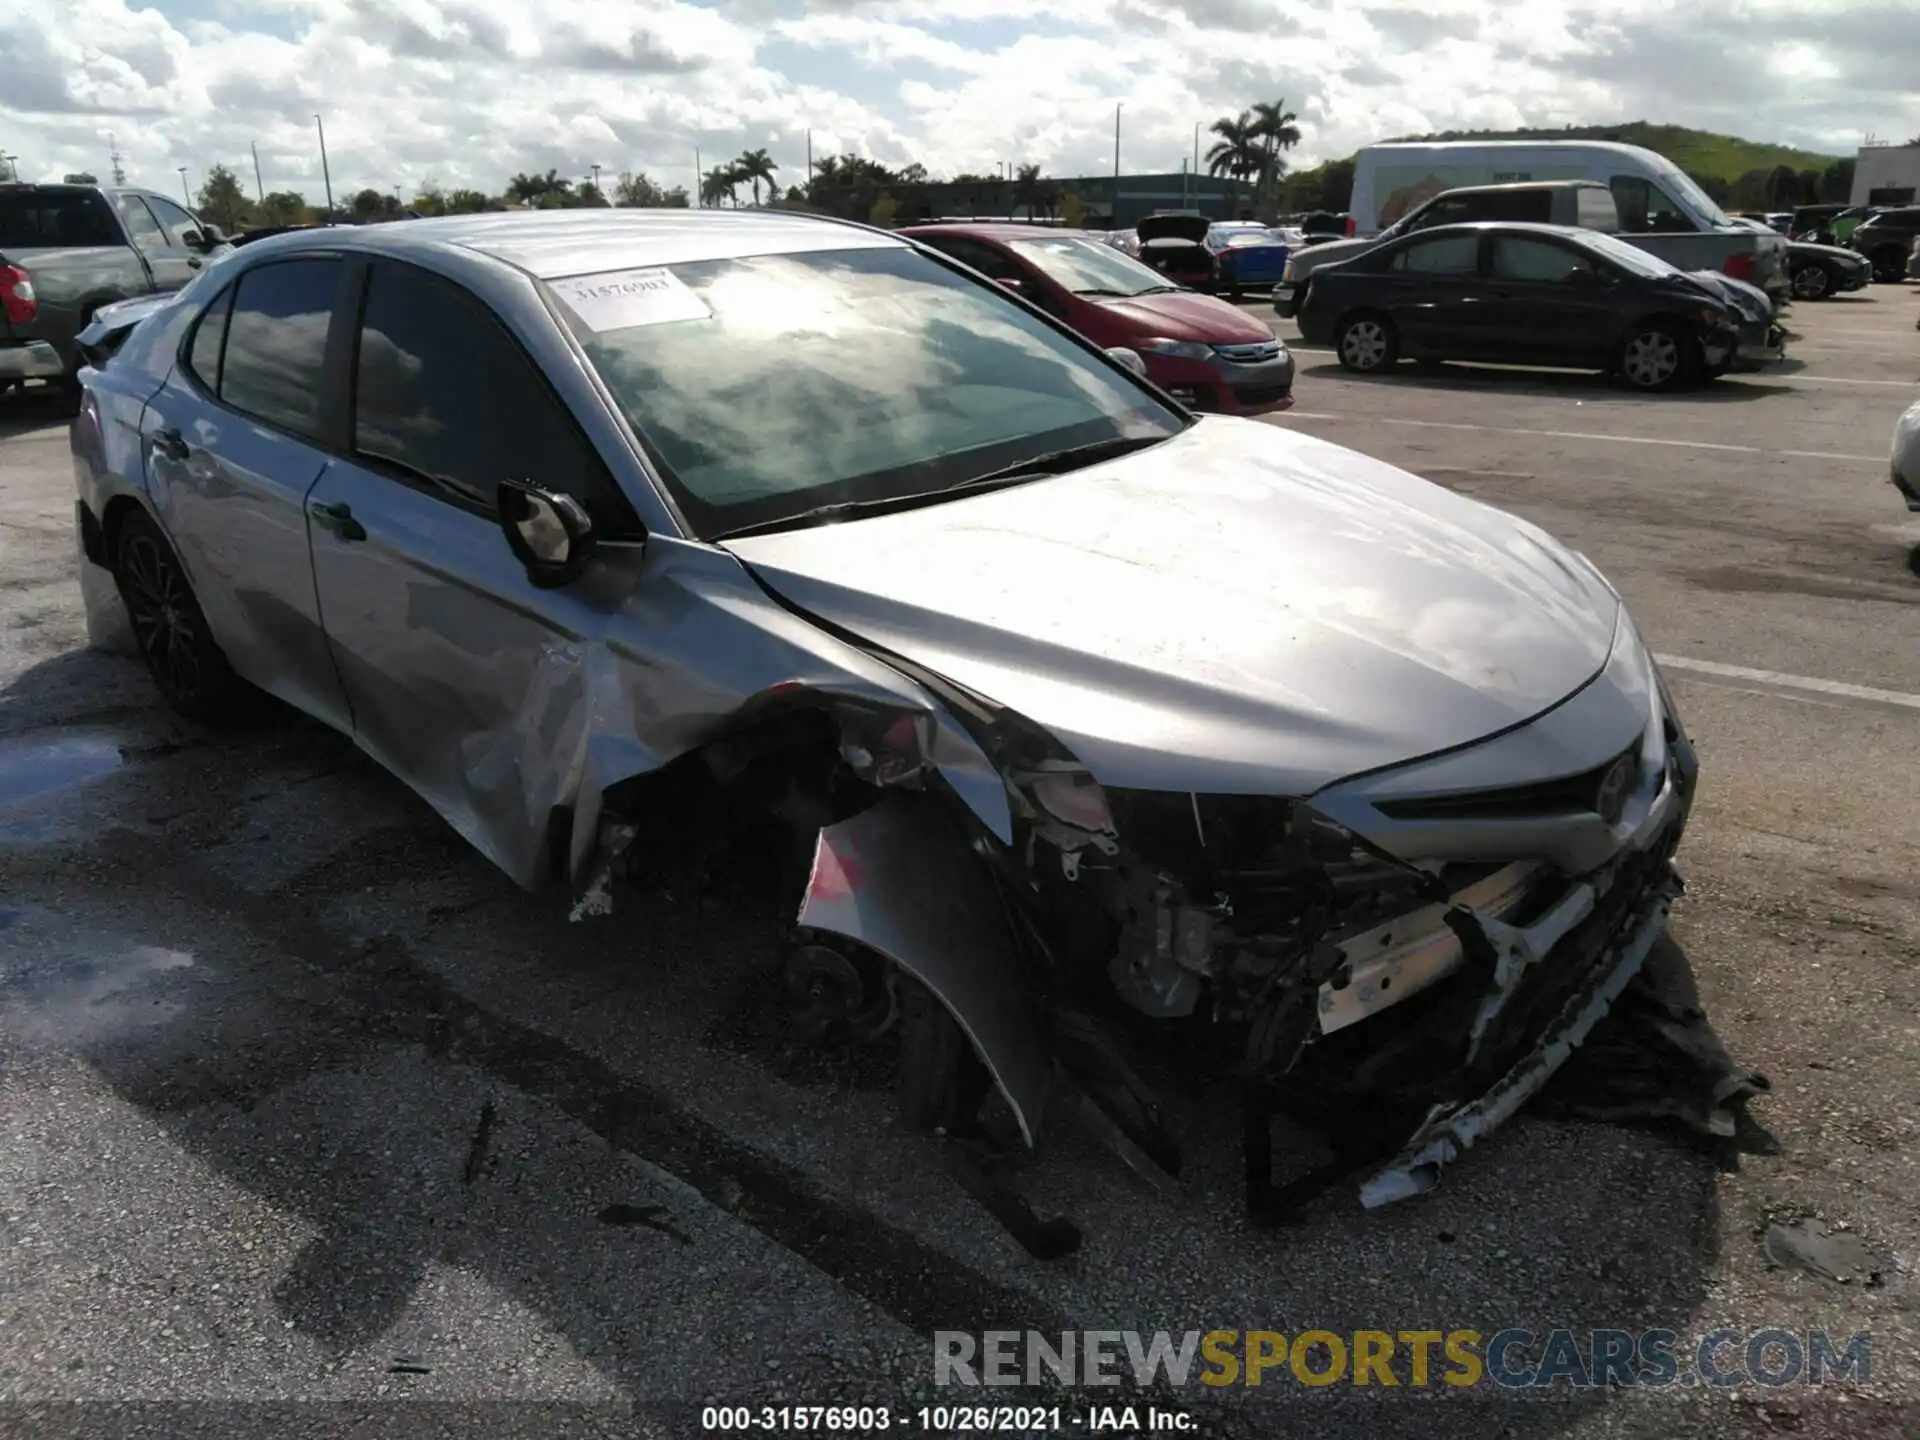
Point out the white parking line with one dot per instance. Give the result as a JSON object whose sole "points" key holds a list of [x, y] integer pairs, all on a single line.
{"points": [[1590, 435], [1790, 682]]}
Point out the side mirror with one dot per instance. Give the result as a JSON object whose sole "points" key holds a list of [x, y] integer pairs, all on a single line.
{"points": [[1013, 283], [1121, 355], [211, 235], [551, 534], [1584, 277]]}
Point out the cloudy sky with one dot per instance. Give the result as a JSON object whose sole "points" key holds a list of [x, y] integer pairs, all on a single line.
{"points": [[464, 92]]}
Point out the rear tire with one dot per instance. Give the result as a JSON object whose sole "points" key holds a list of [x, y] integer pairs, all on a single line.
{"points": [[1366, 343], [1657, 355], [187, 665], [1889, 265]]}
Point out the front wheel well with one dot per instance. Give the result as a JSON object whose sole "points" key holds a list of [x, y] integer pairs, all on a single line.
{"points": [[113, 517]]}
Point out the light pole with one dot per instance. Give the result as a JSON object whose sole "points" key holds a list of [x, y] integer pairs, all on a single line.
{"points": [[259, 190], [325, 174], [596, 181], [699, 182], [185, 194]]}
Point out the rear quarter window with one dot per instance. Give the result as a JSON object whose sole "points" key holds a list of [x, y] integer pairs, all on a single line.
{"points": [[30, 221]]}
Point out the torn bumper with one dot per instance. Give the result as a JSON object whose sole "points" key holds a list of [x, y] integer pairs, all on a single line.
{"points": [[1588, 947]]}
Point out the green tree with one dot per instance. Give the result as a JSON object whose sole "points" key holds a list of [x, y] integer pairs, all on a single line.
{"points": [[1073, 210], [754, 167], [370, 206], [283, 207], [1238, 150], [466, 202], [431, 200], [538, 190], [1782, 187], [637, 190], [1275, 125], [722, 183], [882, 211], [222, 200], [1836, 182]]}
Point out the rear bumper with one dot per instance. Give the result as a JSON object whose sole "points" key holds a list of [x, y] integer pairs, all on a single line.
{"points": [[1286, 299], [30, 360]]}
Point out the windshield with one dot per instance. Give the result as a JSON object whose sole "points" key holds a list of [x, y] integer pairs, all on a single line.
{"points": [[1628, 257], [1088, 267], [1692, 196], [769, 386]]}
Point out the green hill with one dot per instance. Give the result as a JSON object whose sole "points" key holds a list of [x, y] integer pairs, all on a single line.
{"points": [[1698, 152]]}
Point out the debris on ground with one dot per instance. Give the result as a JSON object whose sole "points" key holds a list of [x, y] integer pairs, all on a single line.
{"points": [[1655, 1059], [1832, 1254]]}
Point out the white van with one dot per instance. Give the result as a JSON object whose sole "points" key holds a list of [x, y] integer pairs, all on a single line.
{"points": [[1653, 193], [1661, 209]]}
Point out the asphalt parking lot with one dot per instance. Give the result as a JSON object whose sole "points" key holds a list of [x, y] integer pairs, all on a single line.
{"points": [[302, 1102]]}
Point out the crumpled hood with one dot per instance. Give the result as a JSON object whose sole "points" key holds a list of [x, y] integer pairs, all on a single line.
{"points": [[1183, 316], [1242, 609]]}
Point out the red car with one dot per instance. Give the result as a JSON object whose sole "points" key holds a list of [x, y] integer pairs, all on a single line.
{"points": [[1207, 354]]}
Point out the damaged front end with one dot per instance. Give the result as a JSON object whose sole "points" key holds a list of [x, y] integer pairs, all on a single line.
{"points": [[1445, 988]]}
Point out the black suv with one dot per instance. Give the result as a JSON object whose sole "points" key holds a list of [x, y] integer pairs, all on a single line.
{"points": [[1886, 240]]}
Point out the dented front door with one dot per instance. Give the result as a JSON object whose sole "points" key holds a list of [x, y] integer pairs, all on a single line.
{"points": [[466, 680]]}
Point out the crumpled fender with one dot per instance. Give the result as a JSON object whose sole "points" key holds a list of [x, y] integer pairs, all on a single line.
{"points": [[900, 879]]}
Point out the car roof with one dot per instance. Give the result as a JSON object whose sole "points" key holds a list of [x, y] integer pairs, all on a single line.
{"points": [[1522, 227], [550, 244], [989, 230]]}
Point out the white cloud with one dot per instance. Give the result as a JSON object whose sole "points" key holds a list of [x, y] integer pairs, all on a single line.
{"points": [[465, 92]]}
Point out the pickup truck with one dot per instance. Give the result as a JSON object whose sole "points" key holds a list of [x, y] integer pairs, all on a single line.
{"points": [[1755, 256], [68, 250]]}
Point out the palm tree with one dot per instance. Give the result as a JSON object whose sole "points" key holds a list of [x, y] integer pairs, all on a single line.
{"points": [[1275, 126], [753, 167], [1028, 188], [1238, 151], [719, 184], [532, 189]]}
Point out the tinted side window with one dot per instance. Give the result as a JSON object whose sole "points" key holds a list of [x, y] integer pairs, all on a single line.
{"points": [[1518, 259], [1449, 211], [38, 217], [142, 228], [1531, 206], [209, 335], [984, 258], [277, 342], [1448, 255], [443, 393], [173, 217], [1644, 207]]}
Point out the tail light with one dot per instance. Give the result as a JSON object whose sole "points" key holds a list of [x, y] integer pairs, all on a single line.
{"points": [[16, 296], [1740, 267], [1352, 225]]}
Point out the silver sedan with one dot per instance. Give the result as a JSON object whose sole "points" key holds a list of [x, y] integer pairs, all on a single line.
{"points": [[592, 525]]}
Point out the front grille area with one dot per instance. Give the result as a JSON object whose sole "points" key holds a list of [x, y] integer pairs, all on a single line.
{"points": [[1568, 795], [1259, 353], [1261, 394]]}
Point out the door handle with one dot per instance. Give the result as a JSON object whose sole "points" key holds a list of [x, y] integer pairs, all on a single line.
{"points": [[195, 262], [171, 443], [338, 517]]}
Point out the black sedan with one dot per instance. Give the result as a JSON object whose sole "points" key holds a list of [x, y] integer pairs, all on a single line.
{"points": [[1519, 294]]}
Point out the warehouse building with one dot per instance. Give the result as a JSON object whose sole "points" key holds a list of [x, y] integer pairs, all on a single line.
{"points": [[1886, 175]]}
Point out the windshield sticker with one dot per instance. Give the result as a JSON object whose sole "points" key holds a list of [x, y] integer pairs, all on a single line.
{"points": [[623, 299]]}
